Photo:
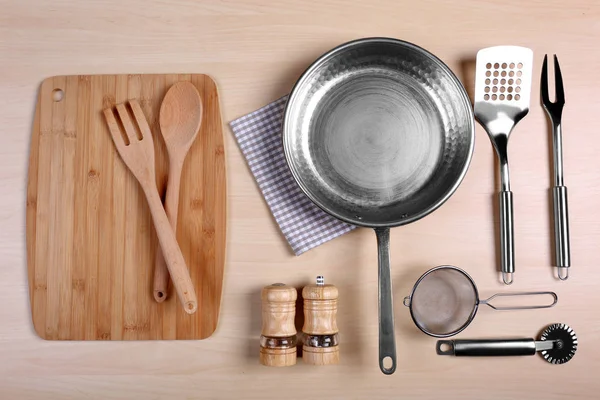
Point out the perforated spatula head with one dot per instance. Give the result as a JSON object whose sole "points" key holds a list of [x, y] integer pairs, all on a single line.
{"points": [[502, 87]]}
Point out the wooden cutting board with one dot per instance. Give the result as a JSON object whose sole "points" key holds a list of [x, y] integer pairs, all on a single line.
{"points": [[90, 237]]}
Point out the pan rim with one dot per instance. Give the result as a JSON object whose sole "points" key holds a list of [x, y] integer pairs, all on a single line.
{"points": [[463, 96]]}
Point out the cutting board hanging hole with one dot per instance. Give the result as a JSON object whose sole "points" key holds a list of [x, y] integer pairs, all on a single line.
{"points": [[57, 95]]}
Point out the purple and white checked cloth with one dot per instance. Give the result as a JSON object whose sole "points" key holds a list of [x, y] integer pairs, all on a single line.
{"points": [[303, 224]]}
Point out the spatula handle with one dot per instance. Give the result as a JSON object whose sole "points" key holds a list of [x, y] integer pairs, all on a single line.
{"points": [[161, 272], [172, 253], [507, 241]]}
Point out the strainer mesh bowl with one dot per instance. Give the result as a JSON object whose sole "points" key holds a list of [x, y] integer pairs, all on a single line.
{"points": [[444, 301]]}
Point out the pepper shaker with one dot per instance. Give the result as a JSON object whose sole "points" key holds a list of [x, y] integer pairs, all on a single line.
{"points": [[278, 341], [320, 324]]}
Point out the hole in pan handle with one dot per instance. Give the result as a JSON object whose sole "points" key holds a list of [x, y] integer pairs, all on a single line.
{"points": [[445, 347], [520, 294]]}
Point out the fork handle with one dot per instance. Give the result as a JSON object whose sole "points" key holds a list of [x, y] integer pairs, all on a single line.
{"points": [[172, 253], [561, 227], [507, 242]]}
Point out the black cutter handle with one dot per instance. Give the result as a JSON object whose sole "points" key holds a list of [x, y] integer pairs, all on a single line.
{"points": [[486, 347]]}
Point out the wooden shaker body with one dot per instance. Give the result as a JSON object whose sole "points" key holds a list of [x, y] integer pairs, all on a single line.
{"points": [[320, 309], [278, 310]]}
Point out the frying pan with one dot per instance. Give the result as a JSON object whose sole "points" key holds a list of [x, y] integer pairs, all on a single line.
{"points": [[379, 133]]}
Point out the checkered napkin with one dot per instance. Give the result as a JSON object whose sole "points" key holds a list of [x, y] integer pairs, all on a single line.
{"points": [[303, 224]]}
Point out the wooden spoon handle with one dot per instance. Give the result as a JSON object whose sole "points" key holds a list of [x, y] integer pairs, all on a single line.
{"points": [[161, 273], [172, 254]]}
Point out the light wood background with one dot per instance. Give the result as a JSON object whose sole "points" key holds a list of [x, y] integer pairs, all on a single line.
{"points": [[255, 50]]}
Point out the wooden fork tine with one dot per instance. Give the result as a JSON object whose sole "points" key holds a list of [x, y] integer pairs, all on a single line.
{"points": [[113, 127], [127, 124], [141, 119]]}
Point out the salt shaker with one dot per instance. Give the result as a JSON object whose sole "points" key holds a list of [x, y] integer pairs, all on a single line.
{"points": [[278, 341], [320, 324]]}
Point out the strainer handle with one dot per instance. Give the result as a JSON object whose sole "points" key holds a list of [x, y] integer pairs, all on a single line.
{"points": [[387, 341], [521, 294]]}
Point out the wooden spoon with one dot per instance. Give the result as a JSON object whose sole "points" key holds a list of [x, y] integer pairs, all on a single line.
{"points": [[180, 119]]}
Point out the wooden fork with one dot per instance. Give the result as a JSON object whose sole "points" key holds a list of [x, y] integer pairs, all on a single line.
{"points": [[138, 155]]}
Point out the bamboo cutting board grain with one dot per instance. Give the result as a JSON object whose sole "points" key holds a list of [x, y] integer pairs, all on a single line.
{"points": [[90, 239]]}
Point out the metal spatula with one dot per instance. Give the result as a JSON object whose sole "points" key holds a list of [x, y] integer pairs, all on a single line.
{"points": [[502, 90]]}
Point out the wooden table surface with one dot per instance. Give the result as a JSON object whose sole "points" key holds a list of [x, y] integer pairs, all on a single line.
{"points": [[255, 50]]}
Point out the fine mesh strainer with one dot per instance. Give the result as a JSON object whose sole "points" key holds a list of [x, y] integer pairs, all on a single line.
{"points": [[444, 301]]}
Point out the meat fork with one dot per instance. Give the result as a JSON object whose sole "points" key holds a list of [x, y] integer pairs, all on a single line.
{"points": [[562, 256]]}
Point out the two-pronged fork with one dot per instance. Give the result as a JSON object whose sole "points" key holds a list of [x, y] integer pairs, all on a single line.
{"points": [[554, 109], [136, 148]]}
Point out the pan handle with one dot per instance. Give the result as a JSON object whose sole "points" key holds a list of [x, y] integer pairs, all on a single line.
{"points": [[387, 341]]}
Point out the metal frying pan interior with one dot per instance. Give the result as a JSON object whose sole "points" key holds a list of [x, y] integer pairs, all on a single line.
{"points": [[379, 133]]}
